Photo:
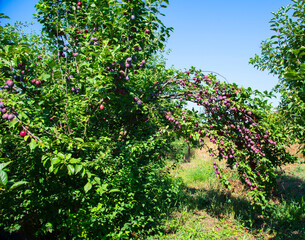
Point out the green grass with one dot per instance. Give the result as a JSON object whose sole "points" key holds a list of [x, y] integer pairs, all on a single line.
{"points": [[190, 224], [199, 174], [209, 211]]}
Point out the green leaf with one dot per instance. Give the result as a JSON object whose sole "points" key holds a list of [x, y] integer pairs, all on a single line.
{"points": [[70, 169], [3, 16], [79, 140], [78, 168], [3, 165], [17, 184], [55, 161], [49, 227], [33, 145], [87, 187], [114, 190], [61, 156], [74, 160], [13, 123], [97, 180], [3, 178], [44, 76]]}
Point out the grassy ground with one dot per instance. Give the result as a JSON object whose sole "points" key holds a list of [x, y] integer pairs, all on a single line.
{"points": [[209, 211]]}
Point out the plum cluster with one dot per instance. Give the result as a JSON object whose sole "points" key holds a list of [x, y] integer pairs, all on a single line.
{"points": [[7, 116], [5, 110], [230, 125]]}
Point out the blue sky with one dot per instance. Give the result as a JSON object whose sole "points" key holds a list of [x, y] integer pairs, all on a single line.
{"points": [[218, 35], [221, 36]]}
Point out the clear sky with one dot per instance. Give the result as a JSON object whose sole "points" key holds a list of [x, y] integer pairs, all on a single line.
{"points": [[214, 35]]}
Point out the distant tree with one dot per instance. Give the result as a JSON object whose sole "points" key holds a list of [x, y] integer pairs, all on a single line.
{"points": [[283, 55]]}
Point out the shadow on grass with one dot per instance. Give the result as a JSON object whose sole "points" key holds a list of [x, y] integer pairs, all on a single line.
{"points": [[285, 221], [291, 188]]}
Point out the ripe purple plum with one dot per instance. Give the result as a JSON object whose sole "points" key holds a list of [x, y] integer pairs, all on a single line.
{"points": [[10, 83], [10, 117]]}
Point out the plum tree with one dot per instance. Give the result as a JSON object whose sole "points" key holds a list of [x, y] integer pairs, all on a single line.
{"points": [[96, 174]]}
